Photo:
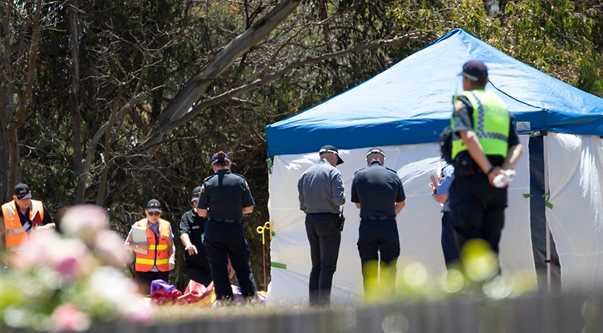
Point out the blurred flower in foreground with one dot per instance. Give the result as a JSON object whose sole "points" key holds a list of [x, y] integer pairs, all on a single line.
{"points": [[67, 284], [85, 222], [110, 249], [68, 317], [477, 274], [479, 261]]}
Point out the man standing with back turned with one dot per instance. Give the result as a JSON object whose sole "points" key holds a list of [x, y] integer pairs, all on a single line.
{"points": [[320, 196], [378, 192], [485, 144]]}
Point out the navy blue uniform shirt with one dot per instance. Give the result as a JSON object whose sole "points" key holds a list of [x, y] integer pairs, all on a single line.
{"points": [[377, 189], [194, 225], [224, 195]]}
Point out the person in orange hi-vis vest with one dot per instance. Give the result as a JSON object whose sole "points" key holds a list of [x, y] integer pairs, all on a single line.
{"points": [[155, 256], [19, 217]]}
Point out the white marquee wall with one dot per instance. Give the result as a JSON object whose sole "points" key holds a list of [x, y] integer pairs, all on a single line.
{"points": [[419, 223]]}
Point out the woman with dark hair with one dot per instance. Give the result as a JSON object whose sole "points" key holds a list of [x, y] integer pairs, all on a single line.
{"points": [[225, 197]]}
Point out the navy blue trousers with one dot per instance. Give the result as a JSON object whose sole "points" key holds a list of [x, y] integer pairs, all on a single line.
{"points": [[449, 247], [324, 235], [477, 210], [223, 241], [378, 239]]}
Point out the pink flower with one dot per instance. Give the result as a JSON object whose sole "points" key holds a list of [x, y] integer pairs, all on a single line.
{"points": [[85, 222], [110, 249], [69, 318]]}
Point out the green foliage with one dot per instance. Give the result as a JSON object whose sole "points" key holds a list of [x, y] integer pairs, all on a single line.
{"points": [[159, 45], [476, 275]]}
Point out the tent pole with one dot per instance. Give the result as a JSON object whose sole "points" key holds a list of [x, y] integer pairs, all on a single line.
{"points": [[548, 258], [548, 230]]}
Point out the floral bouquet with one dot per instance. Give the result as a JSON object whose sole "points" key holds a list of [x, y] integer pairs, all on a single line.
{"points": [[69, 282]]}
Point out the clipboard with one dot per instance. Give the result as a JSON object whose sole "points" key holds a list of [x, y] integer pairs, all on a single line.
{"points": [[139, 235]]}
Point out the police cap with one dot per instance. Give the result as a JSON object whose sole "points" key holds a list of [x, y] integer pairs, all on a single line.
{"points": [[474, 70], [331, 149], [154, 206], [22, 191]]}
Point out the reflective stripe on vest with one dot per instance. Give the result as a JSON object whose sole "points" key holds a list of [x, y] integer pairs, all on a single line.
{"points": [[16, 237], [491, 123], [158, 254]]}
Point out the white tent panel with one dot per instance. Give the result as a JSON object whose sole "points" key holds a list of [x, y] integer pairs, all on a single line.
{"points": [[576, 219], [419, 223]]}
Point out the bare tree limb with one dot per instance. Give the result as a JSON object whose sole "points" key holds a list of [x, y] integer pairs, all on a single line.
{"points": [[293, 66], [23, 97], [194, 88]]}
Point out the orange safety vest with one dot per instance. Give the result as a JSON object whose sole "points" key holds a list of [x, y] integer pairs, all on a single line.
{"points": [[158, 253], [16, 236]]}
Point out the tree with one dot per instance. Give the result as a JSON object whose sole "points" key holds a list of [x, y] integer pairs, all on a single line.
{"points": [[20, 33]]}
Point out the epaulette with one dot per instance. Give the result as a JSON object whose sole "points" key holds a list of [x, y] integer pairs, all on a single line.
{"points": [[359, 170], [392, 170], [236, 174], [208, 178]]}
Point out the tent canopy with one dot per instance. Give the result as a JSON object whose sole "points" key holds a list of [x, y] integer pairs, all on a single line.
{"points": [[411, 102]]}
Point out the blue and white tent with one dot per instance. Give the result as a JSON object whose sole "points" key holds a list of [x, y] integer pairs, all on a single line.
{"points": [[403, 110]]}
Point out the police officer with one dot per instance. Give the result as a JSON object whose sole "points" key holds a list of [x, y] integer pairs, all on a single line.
{"points": [[440, 188], [21, 215], [192, 227], [378, 192], [224, 198], [485, 144], [320, 196], [155, 257]]}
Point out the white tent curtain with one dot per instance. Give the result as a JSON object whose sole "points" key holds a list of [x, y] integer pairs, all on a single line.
{"points": [[419, 223], [576, 217]]}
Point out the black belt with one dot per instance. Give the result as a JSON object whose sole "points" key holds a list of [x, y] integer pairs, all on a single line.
{"points": [[224, 220], [323, 214], [375, 218]]}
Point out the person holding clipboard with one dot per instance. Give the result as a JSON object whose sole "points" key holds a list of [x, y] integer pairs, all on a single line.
{"points": [[153, 242]]}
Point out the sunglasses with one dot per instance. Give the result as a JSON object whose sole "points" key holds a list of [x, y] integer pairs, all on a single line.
{"points": [[154, 213]]}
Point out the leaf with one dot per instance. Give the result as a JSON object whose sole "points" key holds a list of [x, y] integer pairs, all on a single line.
{"points": [[548, 204], [527, 195]]}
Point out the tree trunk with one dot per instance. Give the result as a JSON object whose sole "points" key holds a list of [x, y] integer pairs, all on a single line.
{"points": [[195, 87], [76, 119], [4, 106], [13, 150], [23, 98]]}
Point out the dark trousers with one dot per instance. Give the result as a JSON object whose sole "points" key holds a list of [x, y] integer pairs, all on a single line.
{"points": [[198, 274], [449, 247], [144, 279], [324, 236], [477, 210], [378, 238], [224, 240]]}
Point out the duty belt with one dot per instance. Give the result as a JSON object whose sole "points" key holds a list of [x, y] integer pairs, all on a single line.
{"points": [[224, 220]]}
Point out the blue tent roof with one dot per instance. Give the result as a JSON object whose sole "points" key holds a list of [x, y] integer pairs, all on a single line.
{"points": [[411, 102]]}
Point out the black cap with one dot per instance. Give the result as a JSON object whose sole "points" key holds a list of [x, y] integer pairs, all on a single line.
{"points": [[154, 206], [331, 149], [196, 193], [375, 151], [215, 159], [22, 191], [474, 70]]}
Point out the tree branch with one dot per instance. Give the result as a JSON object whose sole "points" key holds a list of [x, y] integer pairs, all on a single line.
{"points": [[293, 66], [194, 88]]}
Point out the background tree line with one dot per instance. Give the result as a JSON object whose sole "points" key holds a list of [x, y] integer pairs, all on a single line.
{"points": [[117, 102]]}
